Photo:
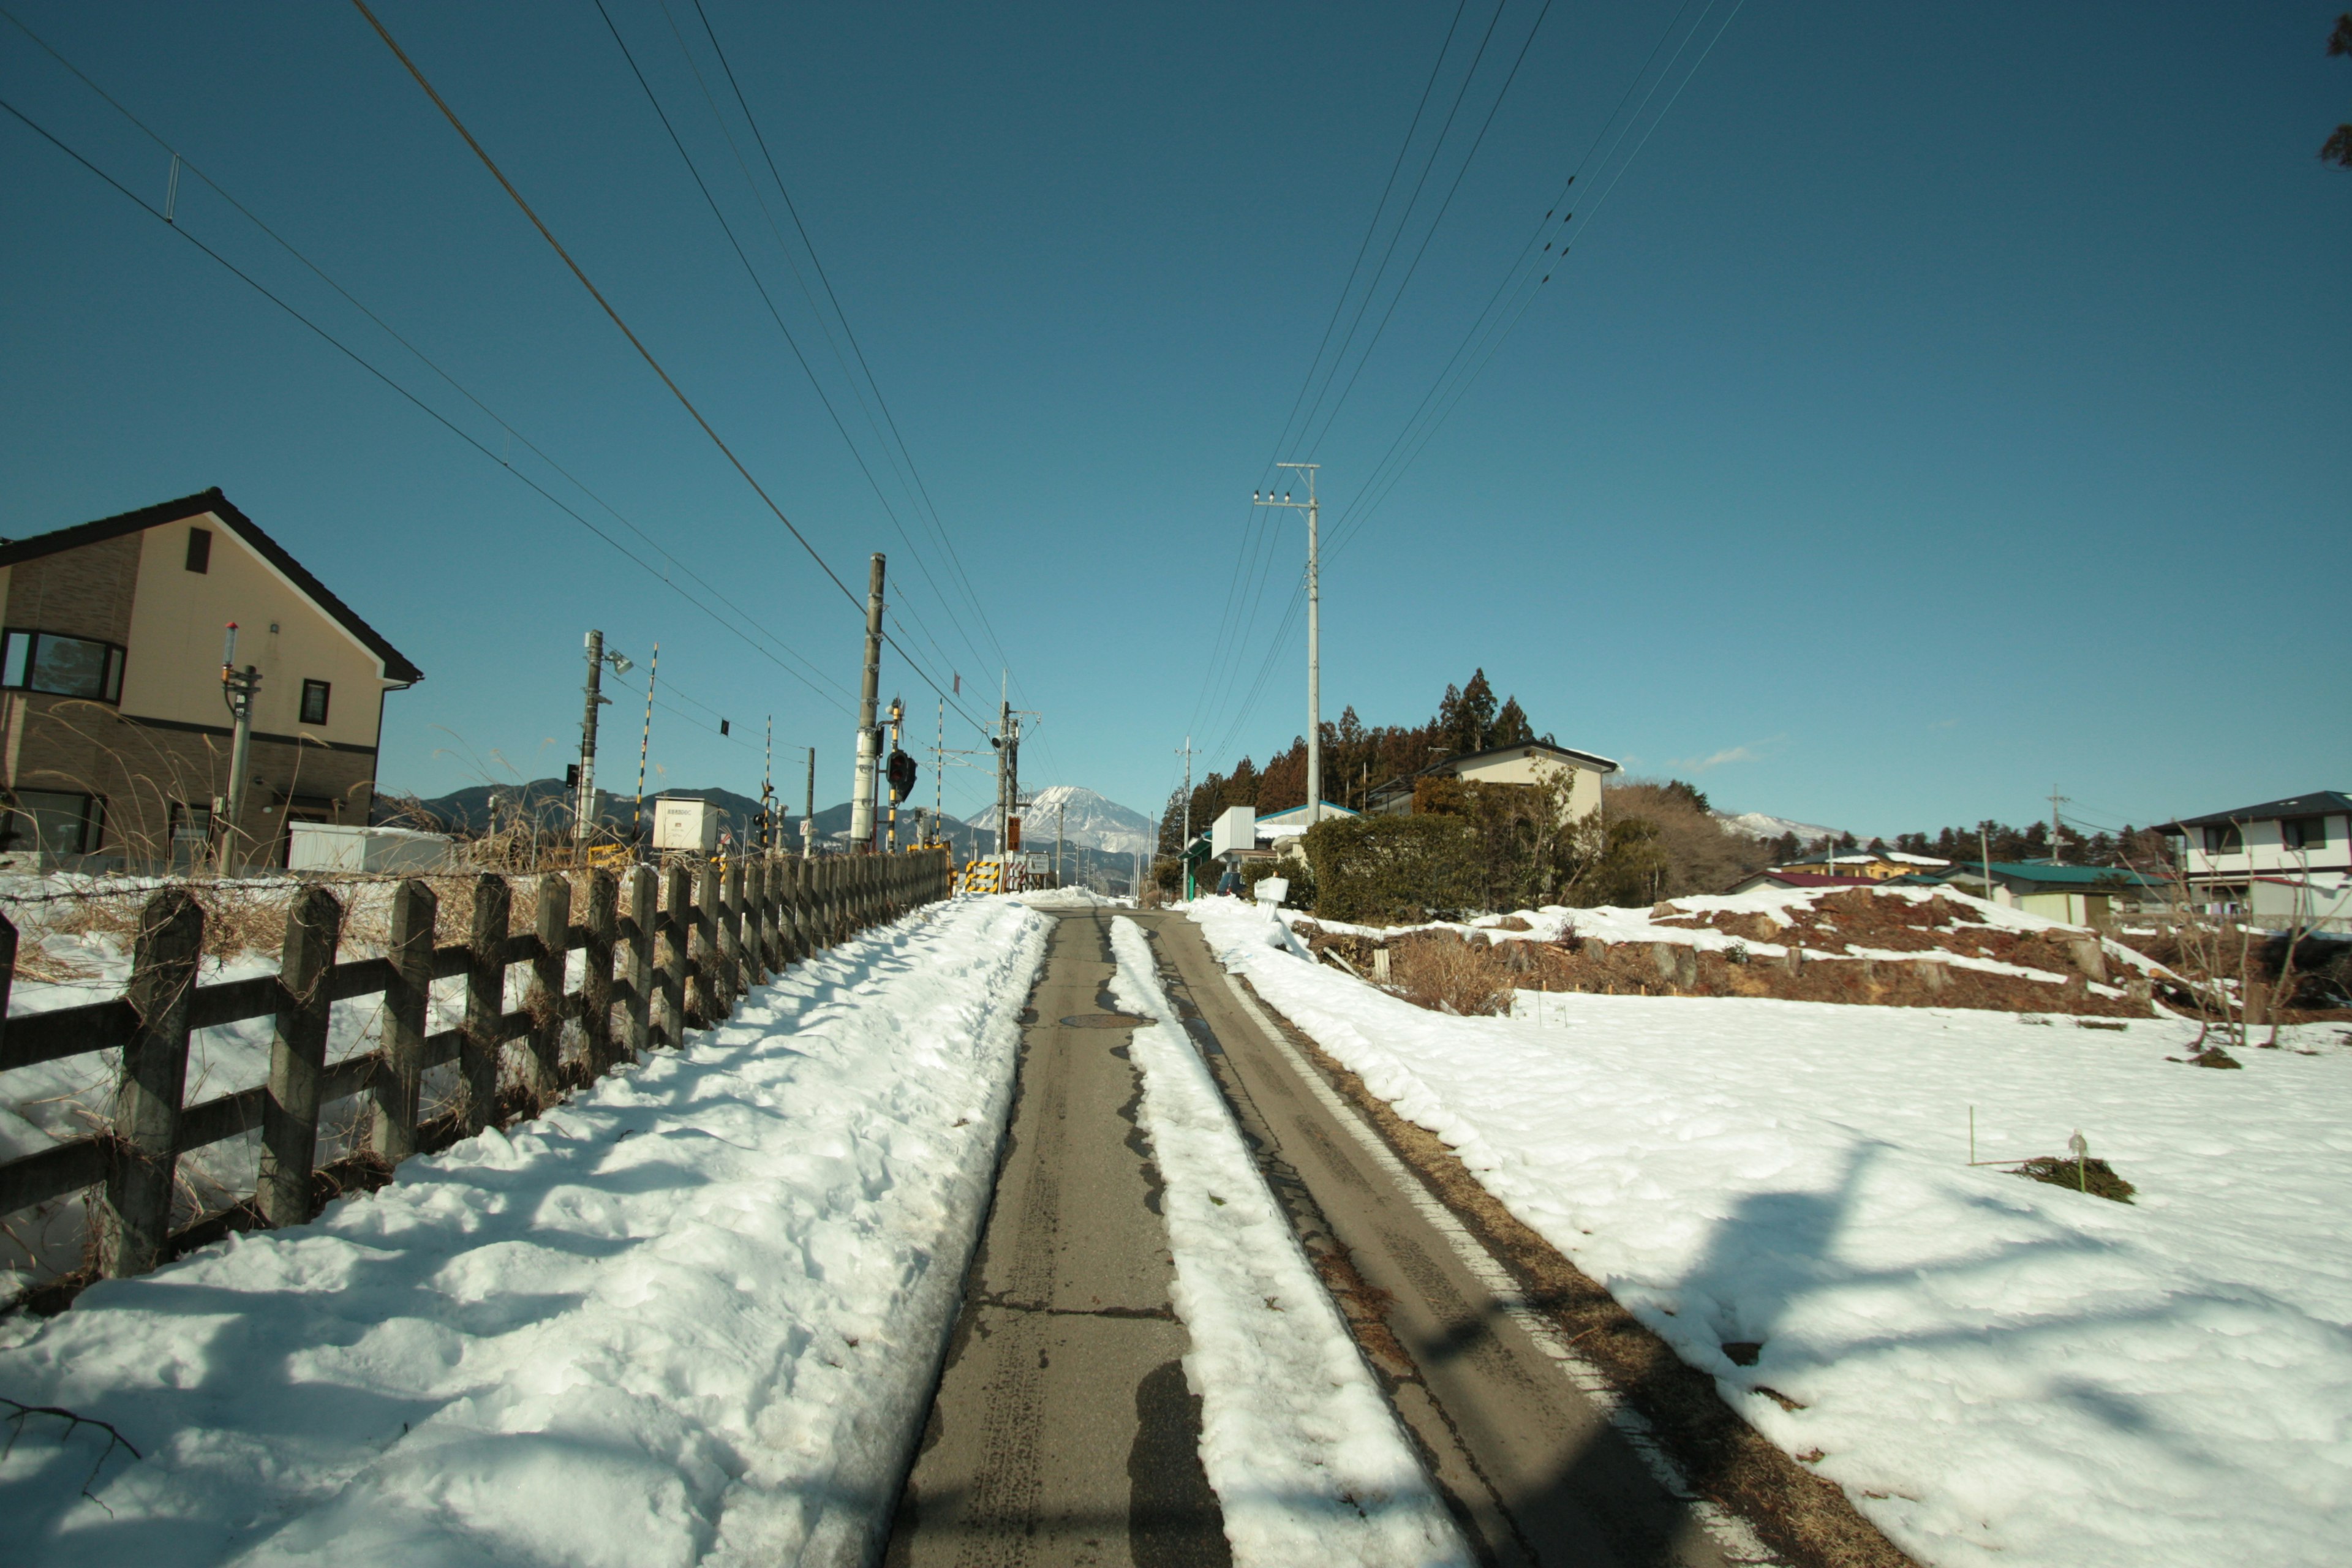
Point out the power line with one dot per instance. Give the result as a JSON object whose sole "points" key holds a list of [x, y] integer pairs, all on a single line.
{"points": [[947, 542], [419, 354], [686, 403], [427, 408], [762, 289]]}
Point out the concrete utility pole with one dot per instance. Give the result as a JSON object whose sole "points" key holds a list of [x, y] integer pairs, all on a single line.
{"points": [[897, 713], [237, 689], [869, 693], [768, 789], [1185, 843], [585, 802], [2056, 800], [808, 815], [1060, 806], [1314, 638]]}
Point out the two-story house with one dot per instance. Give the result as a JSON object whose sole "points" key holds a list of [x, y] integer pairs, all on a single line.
{"points": [[114, 725], [2288, 859], [1535, 763]]}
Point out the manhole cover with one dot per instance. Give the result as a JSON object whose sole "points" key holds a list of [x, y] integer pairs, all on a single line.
{"points": [[1103, 1021]]}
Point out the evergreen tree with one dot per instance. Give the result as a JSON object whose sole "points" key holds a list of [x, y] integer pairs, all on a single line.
{"points": [[1511, 727]]}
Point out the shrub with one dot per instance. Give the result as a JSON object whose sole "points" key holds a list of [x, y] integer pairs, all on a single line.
{"points": [[1377, 869]]}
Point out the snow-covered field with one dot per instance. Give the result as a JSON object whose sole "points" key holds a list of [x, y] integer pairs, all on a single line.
{"points": [[1996, 1371], [691, 1315], [1308, 1463]]}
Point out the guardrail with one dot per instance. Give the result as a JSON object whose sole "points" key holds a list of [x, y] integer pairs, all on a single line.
{"points": [[677, 953]]}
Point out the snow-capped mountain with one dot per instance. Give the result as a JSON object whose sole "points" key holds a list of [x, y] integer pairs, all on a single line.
{"points": [[1757, 824], [1087, 820]]}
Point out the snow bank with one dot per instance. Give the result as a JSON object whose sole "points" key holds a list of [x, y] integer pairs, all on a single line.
{"points": [[691, 1315], [1308, 1462], [1995, 1370], [1072, 899]]}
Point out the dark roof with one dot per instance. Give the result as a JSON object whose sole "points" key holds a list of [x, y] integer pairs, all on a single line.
{"points": [[2319, 803], [2044, 873], [397, 665], [1806, 880]]}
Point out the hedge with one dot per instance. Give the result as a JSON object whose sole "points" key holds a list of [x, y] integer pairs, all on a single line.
{"points": [[1392, 868]]}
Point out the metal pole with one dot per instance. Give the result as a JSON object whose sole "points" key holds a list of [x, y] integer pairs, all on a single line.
{"points": [[584, 804], [644, 743], [768, 789], [861, 797], [808, 813], [897, 711], [238, 687]]}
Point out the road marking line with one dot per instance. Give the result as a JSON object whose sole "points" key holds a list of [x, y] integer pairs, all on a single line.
{"points": [[1732, 1534]]}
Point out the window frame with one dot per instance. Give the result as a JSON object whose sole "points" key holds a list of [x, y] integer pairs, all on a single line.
{"points": [[200, 552], [2228, 838], [325, 688], [2298, 832], [16, 669], [89, 820]]}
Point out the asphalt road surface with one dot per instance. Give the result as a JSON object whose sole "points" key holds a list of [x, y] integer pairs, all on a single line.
{"points": [[1063, 1431]]}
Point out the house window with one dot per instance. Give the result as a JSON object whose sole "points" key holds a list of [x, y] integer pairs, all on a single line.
{"points": [[2305, 833], [191, 824], [62, 665], [2226, 840], [59, 822], [200, 550], [314, 702]]}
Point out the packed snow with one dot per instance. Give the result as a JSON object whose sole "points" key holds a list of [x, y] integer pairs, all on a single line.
{"points": [[1308, 1462], [691, 1315], [1994, 1370]]}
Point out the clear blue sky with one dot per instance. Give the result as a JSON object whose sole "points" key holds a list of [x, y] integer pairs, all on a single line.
{"points": [[1943, 406]]}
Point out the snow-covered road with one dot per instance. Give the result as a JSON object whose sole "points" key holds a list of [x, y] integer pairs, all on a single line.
{"points": [[691, 1315]]}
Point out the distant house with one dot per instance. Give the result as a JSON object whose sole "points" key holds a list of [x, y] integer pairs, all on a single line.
{"points": [[1532, 762], [2283, 858], [114, 729], [1777, 877], [2078, 895], [1869, 865]]}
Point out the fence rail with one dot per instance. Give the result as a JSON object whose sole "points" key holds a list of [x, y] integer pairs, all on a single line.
{"points": [[656, 966]]}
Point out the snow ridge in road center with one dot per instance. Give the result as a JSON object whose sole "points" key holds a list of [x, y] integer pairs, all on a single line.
{"points": [[1306, 1461], [688, 1316]]}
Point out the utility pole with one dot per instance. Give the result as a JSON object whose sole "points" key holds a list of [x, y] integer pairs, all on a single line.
{"points": [[1060, 806], [768, 789], [644, 744], [584, 804], [1184, 844], [861, 796], [808, 813], [237, 689], [2056, 857], [1314, 638]]}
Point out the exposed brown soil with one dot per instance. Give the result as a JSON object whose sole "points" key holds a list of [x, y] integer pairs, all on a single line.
{"points": [[1474, 974], [1804, 1517]]}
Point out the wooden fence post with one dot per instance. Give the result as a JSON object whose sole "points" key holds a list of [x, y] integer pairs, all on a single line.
{"points": [[596, 985], [669, 956], [706, 996], [7, 969], [644, 922], [135, 1215], [547, 972], [758, 876], [486, 1002], [793, 918], [732, 979], [297, 1054], [415, 908]]}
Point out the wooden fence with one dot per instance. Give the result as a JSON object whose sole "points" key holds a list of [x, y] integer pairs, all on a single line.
{"points": [[666, 952]]}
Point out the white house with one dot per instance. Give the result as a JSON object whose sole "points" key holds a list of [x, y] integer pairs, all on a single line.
{"points": [[2285, 858]]}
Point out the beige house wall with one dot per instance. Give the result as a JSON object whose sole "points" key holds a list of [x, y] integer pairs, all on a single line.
{"points": [[169, 741], [1584, 783], [176, 624]]}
